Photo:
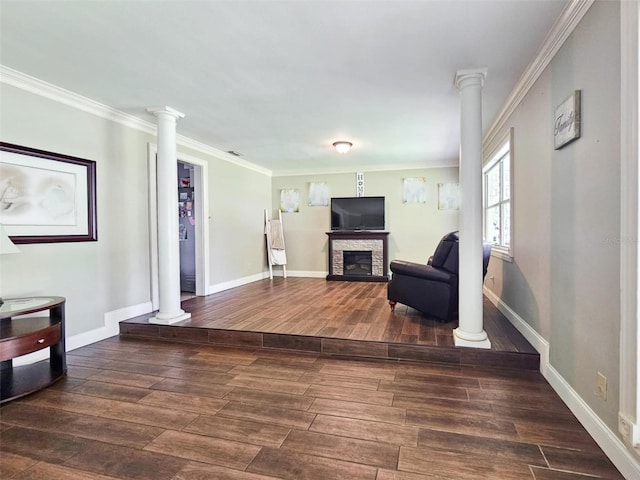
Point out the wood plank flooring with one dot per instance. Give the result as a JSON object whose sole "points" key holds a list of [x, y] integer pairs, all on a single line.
{"points": [[149, 409], [336, 318]]}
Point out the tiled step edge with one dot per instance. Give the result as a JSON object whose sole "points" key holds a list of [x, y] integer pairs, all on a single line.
{"points": [[335, 346]]}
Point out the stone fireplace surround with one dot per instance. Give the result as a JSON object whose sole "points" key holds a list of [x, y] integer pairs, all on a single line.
{"points": [[373, 241]]}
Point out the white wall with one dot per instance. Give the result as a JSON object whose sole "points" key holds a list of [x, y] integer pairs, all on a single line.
{"points": [[114, 273], [565, 279], [237, 199], [415, 228], [95, 277]]}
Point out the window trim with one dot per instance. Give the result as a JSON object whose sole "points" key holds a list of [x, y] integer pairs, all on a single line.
{"points": [[504, 145]]}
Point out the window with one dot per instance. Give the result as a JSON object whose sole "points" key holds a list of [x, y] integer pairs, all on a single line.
{"points": [[497, 199]]}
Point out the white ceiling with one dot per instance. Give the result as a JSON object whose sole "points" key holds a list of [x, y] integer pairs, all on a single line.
{"points": [[279, 81]]}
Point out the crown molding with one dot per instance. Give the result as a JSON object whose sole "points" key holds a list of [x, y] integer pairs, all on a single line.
{"points": [[44, 89], [364, 168], [562, 28], [187, 142], [30, 84]]}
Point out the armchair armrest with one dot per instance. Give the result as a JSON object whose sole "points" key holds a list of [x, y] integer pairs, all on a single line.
{"points": [[418, 270]]}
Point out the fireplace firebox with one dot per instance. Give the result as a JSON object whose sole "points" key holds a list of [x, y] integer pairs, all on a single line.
{"points": [[356, 263]]}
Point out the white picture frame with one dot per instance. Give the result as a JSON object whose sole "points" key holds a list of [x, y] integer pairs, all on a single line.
{"points": [[448, 196], [566, 123], [289, 200], [414, 190], [318, 194]]}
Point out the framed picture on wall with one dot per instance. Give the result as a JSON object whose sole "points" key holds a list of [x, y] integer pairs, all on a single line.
{"points": [[414, 190], [448, 196], [46, 197], [318, 194], [289, 200]]}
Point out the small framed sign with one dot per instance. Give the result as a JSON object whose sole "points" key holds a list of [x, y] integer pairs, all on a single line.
{"points": [[566, 125], [359, 184]]}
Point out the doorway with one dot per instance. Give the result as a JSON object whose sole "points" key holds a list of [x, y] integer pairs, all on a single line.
{"points": [[198, 174], [187, 230]]}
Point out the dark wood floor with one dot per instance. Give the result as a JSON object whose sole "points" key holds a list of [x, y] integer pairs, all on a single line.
{"points": [[348, 318], [157, 410]]}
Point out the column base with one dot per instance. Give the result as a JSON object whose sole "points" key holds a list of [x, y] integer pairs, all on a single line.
{"points": [[170, 318], [473, 340]]}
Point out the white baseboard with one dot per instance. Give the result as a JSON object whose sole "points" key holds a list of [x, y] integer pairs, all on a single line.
{"points": [[610, 443], [536, 340], [110, 329], [277, 272], [116, 316], [301, 273], [219, 287], [31, 358]]}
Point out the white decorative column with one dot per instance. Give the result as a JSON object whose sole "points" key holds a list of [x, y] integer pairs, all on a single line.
{"points": [[167, 191], [470, 331]]}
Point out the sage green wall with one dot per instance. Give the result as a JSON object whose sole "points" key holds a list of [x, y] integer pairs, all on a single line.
{"points": [[237, 199], [565, 277], [415, 229], [114, 272], [95, 277]]}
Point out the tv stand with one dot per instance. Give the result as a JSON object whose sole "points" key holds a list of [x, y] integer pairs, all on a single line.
{"points": [[358, 241]]}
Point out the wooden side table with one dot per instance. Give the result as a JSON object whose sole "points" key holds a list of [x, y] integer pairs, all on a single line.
{"points": [[23, 335]]}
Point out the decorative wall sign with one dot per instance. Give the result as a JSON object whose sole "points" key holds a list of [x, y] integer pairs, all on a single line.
{"points": [[289, 201], [318, 194], [448, 196], [414, 190], [359, 184], [566, 125], [46, 197]]}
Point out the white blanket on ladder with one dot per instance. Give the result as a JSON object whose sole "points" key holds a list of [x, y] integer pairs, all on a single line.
{"points": [[278, 257], [275, 241]]}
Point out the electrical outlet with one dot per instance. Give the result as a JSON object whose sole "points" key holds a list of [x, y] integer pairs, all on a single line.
{"points": [[601, 386], [629, 431]]}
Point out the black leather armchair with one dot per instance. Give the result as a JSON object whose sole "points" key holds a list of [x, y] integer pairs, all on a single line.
{"points": [[431, 288]]}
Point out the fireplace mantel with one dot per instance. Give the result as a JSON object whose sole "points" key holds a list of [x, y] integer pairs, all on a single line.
{"points": [[374, 241]]}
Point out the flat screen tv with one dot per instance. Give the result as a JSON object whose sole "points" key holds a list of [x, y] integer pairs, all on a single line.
{"points": [[357, 213]]}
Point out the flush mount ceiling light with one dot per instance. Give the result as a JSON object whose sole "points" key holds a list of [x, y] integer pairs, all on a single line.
{"points": [[342, 146]]}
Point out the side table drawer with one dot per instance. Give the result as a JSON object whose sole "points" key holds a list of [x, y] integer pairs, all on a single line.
{"points": [[31, 342]]}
